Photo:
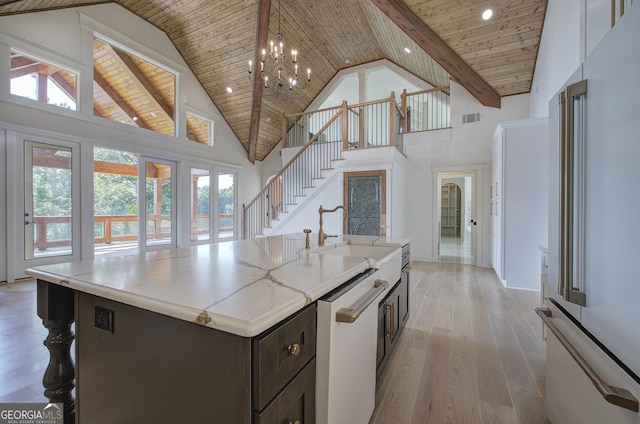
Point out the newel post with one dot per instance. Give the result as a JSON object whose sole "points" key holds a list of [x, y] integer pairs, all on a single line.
{"points": [[345, 125], [405, 118], [56, 307], [392, 119]]}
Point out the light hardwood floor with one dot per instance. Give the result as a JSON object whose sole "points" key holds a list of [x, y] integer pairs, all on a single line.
{"points": [[471, 351]]}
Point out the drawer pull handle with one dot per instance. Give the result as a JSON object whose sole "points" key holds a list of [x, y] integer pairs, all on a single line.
{"points": [[294, 350], [614, 395], [352, 314]]}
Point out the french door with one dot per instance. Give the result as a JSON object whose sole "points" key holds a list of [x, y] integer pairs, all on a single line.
{"points": [[49, 205], [156, 204]]}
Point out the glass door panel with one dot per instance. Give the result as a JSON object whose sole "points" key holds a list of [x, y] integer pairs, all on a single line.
{"points": [[48, 218], [365, 201], [115, 204], [157, 198], [200, 205], [226, 205]]}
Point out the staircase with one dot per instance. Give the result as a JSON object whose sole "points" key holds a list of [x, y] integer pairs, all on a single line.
{"points": [[365, 125], [303, 175]]}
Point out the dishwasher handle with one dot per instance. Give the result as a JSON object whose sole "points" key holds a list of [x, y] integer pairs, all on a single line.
{"points": [[352, 314]]}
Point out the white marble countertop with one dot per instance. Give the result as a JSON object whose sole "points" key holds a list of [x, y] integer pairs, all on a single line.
{"points": [[241, 287]]}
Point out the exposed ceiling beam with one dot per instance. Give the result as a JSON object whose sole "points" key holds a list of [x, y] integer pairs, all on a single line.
{"points": [[444, 55], [115, 96], [264, 11], [140, 78]]}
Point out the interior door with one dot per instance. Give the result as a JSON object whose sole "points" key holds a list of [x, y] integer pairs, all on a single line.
{"points": [[156, 204], [51, 200], [365, 200]]}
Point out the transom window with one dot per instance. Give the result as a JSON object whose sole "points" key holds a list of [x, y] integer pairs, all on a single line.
{"points": [[199, 129], [132, 90], [43, 81]]}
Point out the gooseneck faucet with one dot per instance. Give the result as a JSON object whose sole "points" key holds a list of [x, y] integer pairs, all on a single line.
{"points": [[321, 235]]}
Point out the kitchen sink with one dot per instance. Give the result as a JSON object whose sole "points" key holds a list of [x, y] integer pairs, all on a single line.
{"points": [[357, 250]]}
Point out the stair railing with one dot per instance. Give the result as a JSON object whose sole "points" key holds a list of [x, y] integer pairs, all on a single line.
{"points": [[291, 181]]}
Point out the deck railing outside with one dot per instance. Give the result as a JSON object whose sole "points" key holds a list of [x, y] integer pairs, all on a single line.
{"points": [[108, 229]]}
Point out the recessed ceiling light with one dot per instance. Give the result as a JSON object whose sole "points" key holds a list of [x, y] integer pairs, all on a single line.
{"points": [[229, 90], [487, 14], [407, 50], [347, 61]]}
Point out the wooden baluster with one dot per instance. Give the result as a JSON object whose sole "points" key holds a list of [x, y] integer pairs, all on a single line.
{"points": [[56, 308]]}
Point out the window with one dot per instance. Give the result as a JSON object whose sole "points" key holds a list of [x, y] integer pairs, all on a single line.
{"points": [[43, 81], [200, 204], [226, 205], [199, 130], [132, 90]]}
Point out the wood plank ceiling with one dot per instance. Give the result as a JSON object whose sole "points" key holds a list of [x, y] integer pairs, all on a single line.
{"points": [[217, 38]]}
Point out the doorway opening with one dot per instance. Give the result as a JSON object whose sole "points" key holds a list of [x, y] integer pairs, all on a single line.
{"points": [[456, 222]]}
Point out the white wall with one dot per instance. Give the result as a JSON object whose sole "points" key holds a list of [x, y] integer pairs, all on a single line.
{"points": [[559, 54], [461, 148], [572, 30], [65, 37], [465, 148]]}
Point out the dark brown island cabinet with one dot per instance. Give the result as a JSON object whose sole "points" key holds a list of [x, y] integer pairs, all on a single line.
{"points": [[133, 365], [393, 313], [137, 366]]}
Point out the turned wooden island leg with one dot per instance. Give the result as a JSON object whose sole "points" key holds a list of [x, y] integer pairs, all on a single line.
{"points": [[56, 308]]}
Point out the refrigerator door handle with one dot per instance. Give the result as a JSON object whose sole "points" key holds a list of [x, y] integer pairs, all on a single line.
{"points": [[572, 193], [614, 395]]}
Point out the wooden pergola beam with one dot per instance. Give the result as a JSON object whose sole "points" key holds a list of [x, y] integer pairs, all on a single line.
{"points": [[262, 32], [435, 47]]}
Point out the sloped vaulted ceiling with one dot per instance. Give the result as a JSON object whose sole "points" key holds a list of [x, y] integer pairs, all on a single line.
{"points": [[217, 38]]}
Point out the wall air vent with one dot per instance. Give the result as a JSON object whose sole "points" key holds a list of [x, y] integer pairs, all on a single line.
{"points": [[471, 117]]}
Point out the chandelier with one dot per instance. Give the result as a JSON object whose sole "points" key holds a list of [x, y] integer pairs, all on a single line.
{"points": [[276, 78]]}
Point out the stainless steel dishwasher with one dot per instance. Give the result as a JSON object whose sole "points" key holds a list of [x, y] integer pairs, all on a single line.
{"points": [[346, 350]]}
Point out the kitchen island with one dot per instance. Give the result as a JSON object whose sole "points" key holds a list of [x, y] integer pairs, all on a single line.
{"points": [[183, 335]]}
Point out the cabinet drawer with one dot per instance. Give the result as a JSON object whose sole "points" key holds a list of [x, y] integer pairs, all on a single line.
{"points": [[281, 353], [296, 403]]}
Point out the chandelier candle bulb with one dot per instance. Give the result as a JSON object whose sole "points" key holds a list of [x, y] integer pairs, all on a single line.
{"points": [[278, 71]]}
